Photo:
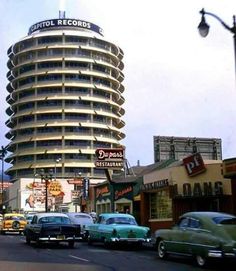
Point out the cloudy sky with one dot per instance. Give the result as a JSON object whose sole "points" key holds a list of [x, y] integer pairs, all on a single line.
{"points": [[177, 83]]}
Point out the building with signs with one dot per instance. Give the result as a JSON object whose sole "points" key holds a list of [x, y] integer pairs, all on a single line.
{"points": [[172, 147], [169, 192], [65, 99]]}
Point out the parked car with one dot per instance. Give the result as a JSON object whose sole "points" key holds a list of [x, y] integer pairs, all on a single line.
{"points": [[51, 227], [81, 220], [202, 235], [113, 228], [29, 217], [13, 222]]}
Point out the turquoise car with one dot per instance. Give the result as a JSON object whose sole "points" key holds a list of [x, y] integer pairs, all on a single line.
{"points": [[202, 235], [114, 228]]}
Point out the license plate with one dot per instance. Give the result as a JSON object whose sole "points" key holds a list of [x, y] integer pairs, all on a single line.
{"points": [[60, 237], [131, 235]]}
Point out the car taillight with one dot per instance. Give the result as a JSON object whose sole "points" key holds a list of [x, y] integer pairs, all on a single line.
{"points": [[148, 234], [114, 233]]}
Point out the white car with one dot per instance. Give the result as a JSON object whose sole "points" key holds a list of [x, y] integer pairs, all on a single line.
{"points": [[81, 220]]}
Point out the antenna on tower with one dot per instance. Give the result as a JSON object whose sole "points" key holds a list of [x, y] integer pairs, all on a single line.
{"points": [[62, 14]]}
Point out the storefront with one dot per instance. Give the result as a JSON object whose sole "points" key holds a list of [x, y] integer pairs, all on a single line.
{"points": [[115, 196], [167, 193]]}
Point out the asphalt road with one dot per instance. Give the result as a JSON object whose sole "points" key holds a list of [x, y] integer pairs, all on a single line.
{"points": [[15, 255]]}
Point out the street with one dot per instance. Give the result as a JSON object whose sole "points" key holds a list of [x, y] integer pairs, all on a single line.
{"points": [[15, 255]]}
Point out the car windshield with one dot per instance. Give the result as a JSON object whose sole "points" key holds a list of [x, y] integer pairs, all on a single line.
{"points": [[121, 220], [81, 219], [15, 218], [225, 220], [54, 219]]}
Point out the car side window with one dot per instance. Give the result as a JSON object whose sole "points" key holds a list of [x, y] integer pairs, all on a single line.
{"points": [[194, 223], [110, 221], [34, 220], [183, 222], [99, 219]]}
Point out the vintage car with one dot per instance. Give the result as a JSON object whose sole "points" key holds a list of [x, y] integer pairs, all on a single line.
{"points": [[51, 227], [202, 235], [82, 220], [113, 228], [13, 222]]}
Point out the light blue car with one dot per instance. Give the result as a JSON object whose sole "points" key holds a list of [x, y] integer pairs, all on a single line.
{"points": [[114, 228]]}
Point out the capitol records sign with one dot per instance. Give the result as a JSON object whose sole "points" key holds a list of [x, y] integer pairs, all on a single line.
{"points": [[110, 158]]}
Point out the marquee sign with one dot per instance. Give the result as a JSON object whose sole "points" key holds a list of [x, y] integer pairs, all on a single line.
{"points": [[54, 23]]}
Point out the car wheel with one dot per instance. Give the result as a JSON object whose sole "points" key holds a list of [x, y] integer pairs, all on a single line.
{"points": [[201, 260], [15, 225], [161, 249], [106, 243], [28, 240], [89, 240], [71, 244], [38, 243]]}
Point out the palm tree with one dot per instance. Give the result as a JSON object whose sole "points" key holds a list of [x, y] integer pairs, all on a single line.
{"points": [[3, 152]]}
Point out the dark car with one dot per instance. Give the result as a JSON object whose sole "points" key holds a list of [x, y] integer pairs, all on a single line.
{"points": [[202, 235], [51, 227]]}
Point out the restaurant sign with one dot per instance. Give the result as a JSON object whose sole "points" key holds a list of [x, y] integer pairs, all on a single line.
{"points": [[110, 158]]}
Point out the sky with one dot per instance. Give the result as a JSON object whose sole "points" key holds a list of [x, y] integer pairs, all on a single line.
{"points": [[176, 82]]}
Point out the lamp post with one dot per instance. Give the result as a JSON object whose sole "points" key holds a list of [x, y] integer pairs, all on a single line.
{"points": [[203, 27], [3, 152], [35, 175], [46, 177], [57, 161]]}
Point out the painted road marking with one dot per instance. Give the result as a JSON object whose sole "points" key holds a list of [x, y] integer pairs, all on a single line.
{"points": [[81, 259]]}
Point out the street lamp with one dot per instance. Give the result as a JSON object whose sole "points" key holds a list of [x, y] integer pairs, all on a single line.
{"points": [[46, 177], [203, 27], [3, 152], [57, 161]]}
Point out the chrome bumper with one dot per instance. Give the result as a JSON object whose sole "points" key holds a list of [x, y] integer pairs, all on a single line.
{"points": [[131, 240], [220, 254], [49, 238]]}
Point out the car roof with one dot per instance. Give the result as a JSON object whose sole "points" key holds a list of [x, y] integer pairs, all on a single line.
{"points": [[107, 215], [13, 214], [39, 215], [80, 213], [207, 214]]}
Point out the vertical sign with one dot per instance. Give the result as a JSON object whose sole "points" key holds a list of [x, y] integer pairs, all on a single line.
{"points": [[85, 188]]}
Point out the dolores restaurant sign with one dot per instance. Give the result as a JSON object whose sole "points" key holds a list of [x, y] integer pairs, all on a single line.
{"points": [[110, 158]]}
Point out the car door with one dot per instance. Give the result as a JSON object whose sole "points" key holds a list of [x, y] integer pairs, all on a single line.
{"points": [[179, 237], [94, 229], [34, 228]]}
